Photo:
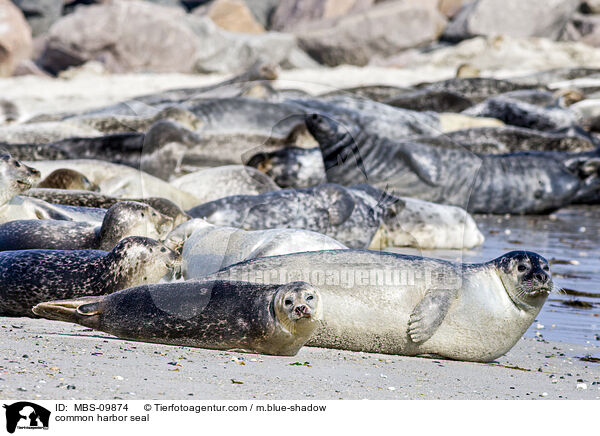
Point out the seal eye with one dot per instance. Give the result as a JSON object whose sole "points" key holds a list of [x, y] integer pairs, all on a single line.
{"points": [[17, 164], [310, 297], [288, 302], [545, 268], [162, 250], [521, 268]]}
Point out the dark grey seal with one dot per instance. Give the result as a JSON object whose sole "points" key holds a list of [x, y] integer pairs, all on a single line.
{"points": [[508, 139], [521, 114], [124, 219], [520, 183], [29, 277], [222, 315]]}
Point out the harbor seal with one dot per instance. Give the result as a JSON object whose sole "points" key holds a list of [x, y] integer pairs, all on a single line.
{"points": [[67, 179], [29, 277], [88, 199], [209, 248], [291, 167], [335, 211], [124, 219], [396, 304], [119, 180], [519, 183], [222, 315], [213, 183], [359, 216], [15, 177]]}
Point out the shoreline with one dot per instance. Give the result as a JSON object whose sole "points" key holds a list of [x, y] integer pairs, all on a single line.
{"points": [[54, 360]]}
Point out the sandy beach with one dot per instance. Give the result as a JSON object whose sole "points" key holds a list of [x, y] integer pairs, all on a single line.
{"points": [[52, 360]]}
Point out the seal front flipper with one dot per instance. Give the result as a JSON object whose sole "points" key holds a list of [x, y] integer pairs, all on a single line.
{"points": [[341, 203], [428, 315], [426, 166]]}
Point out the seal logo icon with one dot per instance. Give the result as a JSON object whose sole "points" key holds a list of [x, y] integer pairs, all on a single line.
{"points": [[26, 415]]}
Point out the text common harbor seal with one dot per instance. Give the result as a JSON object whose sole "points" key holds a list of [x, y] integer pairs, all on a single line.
{"points": [[249, 317], [396, 304], [29, 277], [124, 219]]}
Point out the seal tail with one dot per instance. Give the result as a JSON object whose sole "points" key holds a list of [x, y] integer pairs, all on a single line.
{"points": [[85, 311]]}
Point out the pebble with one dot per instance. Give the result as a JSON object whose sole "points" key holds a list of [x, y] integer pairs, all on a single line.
{"points": [[391, 388], [581, 386], [118, 377]]}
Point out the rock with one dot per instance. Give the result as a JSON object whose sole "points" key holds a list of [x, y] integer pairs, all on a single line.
{"points": [[232, 15], [290, 13], [40, 14], [382, 30], [262, 10], [503, 53], [15, 38], [127, 36], [134, 36], [222, 51], [516, 18]]}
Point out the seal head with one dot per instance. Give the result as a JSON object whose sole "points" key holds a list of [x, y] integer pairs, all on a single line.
{"points": [[297, 306], [15, 177], [526, 278], [128, 218]]}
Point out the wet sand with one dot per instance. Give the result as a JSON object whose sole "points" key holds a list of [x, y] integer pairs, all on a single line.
{"points": [[52, 360]]}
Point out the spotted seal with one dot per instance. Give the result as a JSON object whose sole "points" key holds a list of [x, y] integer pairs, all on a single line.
{"points": [[29, 277], [359, 216], [124, 219], [519, 183], [391, 303], [222, 315]]}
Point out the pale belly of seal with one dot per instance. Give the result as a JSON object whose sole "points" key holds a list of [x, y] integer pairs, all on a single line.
{"points": [[368, 299]]}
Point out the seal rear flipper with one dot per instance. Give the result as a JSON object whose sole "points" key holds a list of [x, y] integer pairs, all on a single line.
{"points": [[428, 315], [85, 311]]}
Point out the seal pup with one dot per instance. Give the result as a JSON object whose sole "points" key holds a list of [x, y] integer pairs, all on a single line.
{"points": [[222, 315], [213, 183], [519, 183], [65, 178], [396, 304], [29, 277], [88, 199], [124, 219], [209, 248]]}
